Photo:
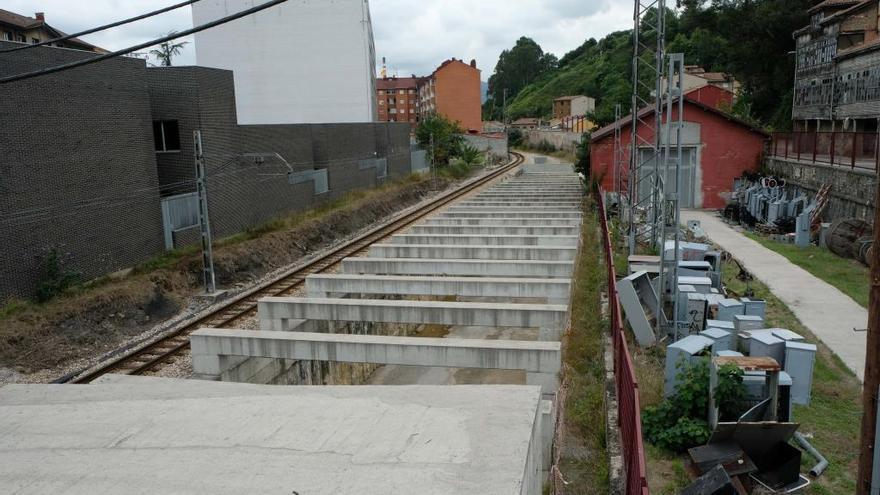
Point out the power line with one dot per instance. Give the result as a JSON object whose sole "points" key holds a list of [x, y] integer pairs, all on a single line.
{"points": [[102, 28], [125, 51]]}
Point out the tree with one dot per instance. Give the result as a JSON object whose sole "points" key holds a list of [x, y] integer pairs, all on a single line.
{"points": [[517, 68], [168, 51], [440, 136]]}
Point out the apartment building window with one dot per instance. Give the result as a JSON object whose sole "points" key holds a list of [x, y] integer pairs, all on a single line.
{"points": [[412, 91], [412, 110], [7, 35], [393, 110], [166, 135], [403, 91], [381, 102]]}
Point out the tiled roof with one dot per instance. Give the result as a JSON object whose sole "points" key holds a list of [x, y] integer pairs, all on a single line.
{"points": [[25, 22], [397, 83], [832, 3]]}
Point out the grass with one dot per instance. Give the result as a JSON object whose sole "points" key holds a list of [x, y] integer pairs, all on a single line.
{"points": [[832, 420], [848, 275], [583, 454]]}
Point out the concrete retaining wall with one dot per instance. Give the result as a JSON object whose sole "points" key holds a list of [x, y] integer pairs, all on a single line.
{"points": [[561, 140]]}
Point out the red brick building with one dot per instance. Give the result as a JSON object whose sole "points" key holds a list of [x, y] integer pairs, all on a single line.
{"points": [[398, 99], [453, 90], [716, 148]]}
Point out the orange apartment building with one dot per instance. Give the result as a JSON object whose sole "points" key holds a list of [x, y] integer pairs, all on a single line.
{"points": [[398, 99], [453, 90]]}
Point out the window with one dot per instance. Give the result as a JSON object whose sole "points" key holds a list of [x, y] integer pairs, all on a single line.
{"points": [[381, 102], [393, 110], [412, 91], [166, 135], [35, 40], [403, 91], [7, 35], [22, 38], [412, 110]]}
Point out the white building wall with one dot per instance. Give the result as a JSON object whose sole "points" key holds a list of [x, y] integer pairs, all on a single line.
{"points": [[303, 61], [582, 105]]}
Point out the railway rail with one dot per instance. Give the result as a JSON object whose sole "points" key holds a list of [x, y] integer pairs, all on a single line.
{"points": [[150, 355]]}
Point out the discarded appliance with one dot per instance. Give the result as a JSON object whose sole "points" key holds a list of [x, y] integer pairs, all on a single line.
{"points": [[682, 354], [766, 344], [747, 322], [728, 455], [800, 358], [688, 251], [646, 263], [641, 305], [728, 308], [716, 481], [697, 308], [768, 366], [702, 284], [722, 340], [754, 307], [786, 334]]}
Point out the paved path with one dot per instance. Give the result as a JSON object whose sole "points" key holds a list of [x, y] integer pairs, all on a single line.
{"points": [[830, 314]]}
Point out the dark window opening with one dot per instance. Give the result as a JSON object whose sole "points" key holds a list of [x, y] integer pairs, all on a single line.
{"points": [[7, 35], [35, 40], [166, 135], [22, 38]]}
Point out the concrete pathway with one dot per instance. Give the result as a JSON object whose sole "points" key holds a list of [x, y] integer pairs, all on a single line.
{"points": [[829, 313]]}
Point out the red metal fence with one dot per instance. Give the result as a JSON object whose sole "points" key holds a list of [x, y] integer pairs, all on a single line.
{"points": [[629, 415], [855, 150]]}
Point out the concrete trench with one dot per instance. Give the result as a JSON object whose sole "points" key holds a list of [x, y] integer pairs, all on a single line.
{"points": [[495, 268]]}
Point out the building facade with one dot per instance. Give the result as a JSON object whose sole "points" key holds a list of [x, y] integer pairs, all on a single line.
{"points": [[18, 28], [398, 99], [453, 90], [104, 173], [309, 61], [837, 73], [716, 148], [570, 106]]}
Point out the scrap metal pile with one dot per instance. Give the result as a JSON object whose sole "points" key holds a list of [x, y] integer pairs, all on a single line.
{"points": [[777, 364]]}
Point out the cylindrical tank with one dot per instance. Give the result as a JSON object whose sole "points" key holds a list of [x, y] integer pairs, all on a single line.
{"points": [[844, 234]]}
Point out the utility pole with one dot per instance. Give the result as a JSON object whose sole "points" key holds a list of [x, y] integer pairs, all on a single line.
{"points": [[204, 223], [504, 107], [868, 481]]}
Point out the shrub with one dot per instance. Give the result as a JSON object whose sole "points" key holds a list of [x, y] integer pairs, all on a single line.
{"points": [[446, 137], [514, 137], [54, 279]]}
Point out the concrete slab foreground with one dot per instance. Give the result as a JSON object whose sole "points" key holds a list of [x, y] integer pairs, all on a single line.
{"points": [[541, 253], [186, 436], [485, 240], [829, 313], [495, 229], [574, 221]]}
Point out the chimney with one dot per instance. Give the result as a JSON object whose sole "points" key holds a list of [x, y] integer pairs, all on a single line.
{"points": [[40, 16], [474, 63]]}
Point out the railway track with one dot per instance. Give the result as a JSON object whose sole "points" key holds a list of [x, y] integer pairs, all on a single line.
{"points": [[149, 356]]}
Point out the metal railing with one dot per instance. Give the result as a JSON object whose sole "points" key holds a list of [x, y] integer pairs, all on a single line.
{"points": [[629, 415], [855, 150]]}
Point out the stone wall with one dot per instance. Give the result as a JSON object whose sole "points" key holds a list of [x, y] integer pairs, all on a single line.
{"points": [[852, 190], [561, 140]]}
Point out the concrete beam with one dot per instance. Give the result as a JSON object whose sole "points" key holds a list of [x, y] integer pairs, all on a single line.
{"points": [[538, 253], [540, 360], [520, 204], [536, 208], [486, 240], [495, 229], [472, 268], [555, 290], [576, 221], [274, 312], [507, 213]]}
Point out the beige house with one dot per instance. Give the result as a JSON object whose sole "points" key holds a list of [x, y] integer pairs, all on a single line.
{"points": [[567, 106], [696, 77]]}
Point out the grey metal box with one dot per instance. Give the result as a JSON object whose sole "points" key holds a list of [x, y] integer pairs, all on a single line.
{"points": [[724, 325], [702, 284], [722, 338], [729, 354], [786, 334], [728, 308], [686, 350], [800, 358], [765, 344], [754, 307], [696, 312], [747, 322], [744, 340]]}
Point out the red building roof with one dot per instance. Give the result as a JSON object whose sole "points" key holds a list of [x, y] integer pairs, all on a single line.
{"points": [[397, 82]]}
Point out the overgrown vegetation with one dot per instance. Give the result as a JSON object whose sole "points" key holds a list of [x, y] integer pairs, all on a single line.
{"points": [[848, 275], [55, 278], [751, 39], [583, 456], [680, 422], [441, 137]]}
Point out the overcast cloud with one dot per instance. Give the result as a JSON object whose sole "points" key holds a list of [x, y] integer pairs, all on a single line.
{"points": [[413, 35]]}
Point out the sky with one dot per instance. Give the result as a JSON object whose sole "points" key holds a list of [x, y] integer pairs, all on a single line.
{"points": [[413, 35]]}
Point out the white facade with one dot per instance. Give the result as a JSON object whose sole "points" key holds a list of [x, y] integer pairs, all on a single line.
{"points": [[303, 61]]}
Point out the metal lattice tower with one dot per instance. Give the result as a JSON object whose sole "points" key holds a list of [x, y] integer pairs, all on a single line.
{"points": [[644, 190], [669, 184]]}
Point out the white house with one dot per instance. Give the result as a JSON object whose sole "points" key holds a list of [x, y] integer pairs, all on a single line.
{"points": [[307, 61]]}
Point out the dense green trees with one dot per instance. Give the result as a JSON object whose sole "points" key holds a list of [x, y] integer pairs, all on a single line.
{"points": [[752, 39], [516, 68]]}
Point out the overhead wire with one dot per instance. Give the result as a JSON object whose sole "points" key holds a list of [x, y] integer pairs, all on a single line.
{"points": [[125, 51], [102, 28]]}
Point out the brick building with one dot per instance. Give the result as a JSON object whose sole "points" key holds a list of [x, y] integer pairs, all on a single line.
{"points": [[716, 147], [453, 90], [101, 156], [23, 29], [398, 99]]}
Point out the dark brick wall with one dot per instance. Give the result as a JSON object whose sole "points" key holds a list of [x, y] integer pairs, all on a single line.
{"points": [[80, 172], [77, 169]]}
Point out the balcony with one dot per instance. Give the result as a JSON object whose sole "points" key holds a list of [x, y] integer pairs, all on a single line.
{"points": [[854, 150]]}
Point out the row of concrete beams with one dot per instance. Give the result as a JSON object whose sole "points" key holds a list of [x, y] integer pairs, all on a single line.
{"points": [[462, 267], [537, 253], [538, 221], [495, 230], [212, 348], [485, 240]]}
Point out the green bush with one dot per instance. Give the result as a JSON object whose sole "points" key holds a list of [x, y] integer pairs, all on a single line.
{"points": [[514, 137], [54, 279], [441, 137], [679, 422]]}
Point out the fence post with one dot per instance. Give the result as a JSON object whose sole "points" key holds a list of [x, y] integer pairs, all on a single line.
{"points": [[853, 152], [787, 145], [815, 144], [833, 139], [797, 145]]}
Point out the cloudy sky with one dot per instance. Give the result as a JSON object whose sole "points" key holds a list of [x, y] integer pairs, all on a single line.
{"points": [[413, 35]]}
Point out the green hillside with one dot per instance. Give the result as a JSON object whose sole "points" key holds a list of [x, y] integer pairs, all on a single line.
{"points": [[750, 39]]}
